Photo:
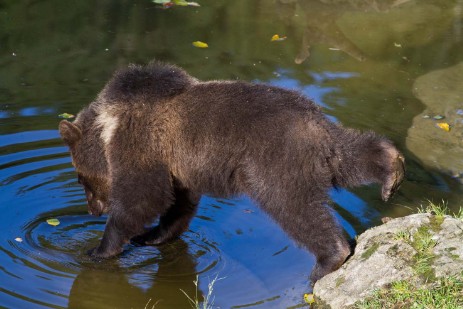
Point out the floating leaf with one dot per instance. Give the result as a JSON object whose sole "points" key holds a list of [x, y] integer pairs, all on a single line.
{"points": [[66, 115], [309, 298], [53, 222], [18, 239], [185, 3], [168, 3], [200, 44], [444, 126], [438, 117], [277, 38]]}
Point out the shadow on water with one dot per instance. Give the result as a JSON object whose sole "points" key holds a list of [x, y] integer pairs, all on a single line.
{"points": [[358, 59]]}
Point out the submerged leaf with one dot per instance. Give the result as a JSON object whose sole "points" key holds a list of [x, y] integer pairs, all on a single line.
{"points": [[276, 37], [53, 222], [66, 115], [200, 44], [309, 298], [438, 117], [444, 126]]}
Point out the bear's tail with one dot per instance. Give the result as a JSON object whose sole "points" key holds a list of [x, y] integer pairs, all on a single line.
{"points": [[147, 83]]}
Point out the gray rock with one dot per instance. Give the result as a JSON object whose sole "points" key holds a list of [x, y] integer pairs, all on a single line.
{"points": [[387, 253]]}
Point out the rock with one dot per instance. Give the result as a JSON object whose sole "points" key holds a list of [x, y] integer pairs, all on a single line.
{"points": [[442, 94], [389, 253]]}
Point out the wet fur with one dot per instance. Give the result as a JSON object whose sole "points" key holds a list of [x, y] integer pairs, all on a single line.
{"points": [[175, 138]]}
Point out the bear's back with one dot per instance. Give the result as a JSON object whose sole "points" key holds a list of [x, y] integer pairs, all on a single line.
{"points": [[145, 84], [241, 127], [235, 110]]}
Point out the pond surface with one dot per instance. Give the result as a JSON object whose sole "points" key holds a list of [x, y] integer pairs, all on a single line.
{"points": [[359, 59]]}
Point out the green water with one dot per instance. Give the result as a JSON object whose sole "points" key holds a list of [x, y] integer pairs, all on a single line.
{"points": [[358, 59]]}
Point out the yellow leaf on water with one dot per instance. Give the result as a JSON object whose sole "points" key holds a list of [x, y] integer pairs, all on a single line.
{"points": [[276, 37], [444, 126], [66, 115], [18, 239], [200, 44], [53, 222], [309, 298]]}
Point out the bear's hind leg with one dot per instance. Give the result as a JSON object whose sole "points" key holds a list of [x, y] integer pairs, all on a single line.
{"points": [[313, 226], [330, 260], [175, 221]]}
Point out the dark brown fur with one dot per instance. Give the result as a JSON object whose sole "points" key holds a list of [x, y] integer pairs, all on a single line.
{"points": [[176, 138]]}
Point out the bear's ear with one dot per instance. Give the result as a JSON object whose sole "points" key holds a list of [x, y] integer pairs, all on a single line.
{"points": [[70, 133]]}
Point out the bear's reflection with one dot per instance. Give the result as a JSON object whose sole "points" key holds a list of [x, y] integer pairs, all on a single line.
{"points": [[158, 285]]}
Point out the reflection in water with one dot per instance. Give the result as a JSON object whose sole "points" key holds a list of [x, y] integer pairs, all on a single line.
{"points": [[153, 281], [321, 23], [325, 23]]}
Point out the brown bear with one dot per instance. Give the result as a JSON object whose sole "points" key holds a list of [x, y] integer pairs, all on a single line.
{"points": [[155, 139]]}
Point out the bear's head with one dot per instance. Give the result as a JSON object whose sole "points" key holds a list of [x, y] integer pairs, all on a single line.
{"points": [[88, 158]]}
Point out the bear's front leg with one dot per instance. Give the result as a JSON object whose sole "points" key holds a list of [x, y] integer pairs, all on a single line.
{"points": [[395, 175], [136, 199], [364, 158], [111, 243], [174, 221], [385, 165]]}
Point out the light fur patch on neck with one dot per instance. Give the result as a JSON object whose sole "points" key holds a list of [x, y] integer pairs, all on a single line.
{"points": [[108, 124]]}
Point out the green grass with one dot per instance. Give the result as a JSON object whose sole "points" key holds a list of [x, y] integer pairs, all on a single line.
{"points": [[402, 235], [369, 252], [423, 244], [152, 306], [208, 301], [446, 293], [440, 210]]}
